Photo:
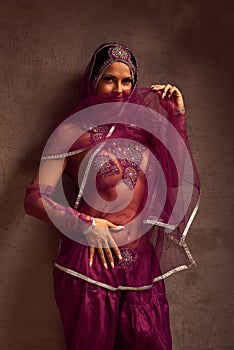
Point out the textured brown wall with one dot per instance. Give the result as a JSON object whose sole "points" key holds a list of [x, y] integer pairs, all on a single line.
{"points": [[44, 48]]}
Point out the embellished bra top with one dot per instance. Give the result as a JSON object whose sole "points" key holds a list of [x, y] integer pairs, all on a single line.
{"points": [[112, 170], [121, 157]]}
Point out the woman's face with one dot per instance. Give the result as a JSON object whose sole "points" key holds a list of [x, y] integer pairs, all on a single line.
{"points": [[115, 80]]}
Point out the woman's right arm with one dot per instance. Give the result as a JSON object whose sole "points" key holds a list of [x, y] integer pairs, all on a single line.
{"points": [[39, 203], [39, 198]]}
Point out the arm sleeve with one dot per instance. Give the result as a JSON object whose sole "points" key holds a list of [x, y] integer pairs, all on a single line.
{"points": [[39, 203], [40, 200]]}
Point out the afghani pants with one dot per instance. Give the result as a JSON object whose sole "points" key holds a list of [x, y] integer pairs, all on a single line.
{"points": [[96, 318]]}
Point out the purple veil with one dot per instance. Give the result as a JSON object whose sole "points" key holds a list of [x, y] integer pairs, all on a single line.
{"points": [[170, 197]]}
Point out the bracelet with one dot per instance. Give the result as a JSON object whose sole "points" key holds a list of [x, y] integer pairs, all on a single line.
{"points": [[180, 111], [93, 225], [90, 228]]}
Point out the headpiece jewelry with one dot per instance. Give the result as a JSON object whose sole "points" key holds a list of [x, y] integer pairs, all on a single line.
{"points": [[116, 53]]}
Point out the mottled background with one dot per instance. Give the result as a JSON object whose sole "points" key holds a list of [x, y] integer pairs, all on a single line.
{"points": [[45, 46]]}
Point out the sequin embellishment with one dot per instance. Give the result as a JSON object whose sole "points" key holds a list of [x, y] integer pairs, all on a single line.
{"points": [[129, 258], [129, 157], [98, 132], [119, 52], [116, 53], [105, 166]]}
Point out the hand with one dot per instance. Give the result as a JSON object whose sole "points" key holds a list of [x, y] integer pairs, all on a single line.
{"points": [[101, 239], [172, 93]]}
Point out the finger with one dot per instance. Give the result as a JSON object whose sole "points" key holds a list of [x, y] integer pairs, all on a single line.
{"points": [[158, 86], [102, 257], [109, 256], [173, 90], [113, 226], [116, 229], [91, 254], [117, 252], [115, 248], [176, 92], [166, 90]]}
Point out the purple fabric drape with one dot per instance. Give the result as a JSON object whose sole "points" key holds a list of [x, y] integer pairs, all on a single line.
{"points": [[128, 162], [169, 192]]}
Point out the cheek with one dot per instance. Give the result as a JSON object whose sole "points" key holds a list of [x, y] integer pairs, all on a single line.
{"points": [[103, 88], [127, 87]]}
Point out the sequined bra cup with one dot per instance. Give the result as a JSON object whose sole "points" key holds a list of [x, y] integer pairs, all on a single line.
{"points": [[123, 152]]}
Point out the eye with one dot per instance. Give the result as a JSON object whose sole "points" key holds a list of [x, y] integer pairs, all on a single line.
{"points": [[127, 81], [108, 79]]}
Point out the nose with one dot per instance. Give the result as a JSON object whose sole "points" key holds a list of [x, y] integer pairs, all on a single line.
{"points": [[118, 86]]}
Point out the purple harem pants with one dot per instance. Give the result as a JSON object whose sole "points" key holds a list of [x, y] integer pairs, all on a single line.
{"points": [[95, 318]]}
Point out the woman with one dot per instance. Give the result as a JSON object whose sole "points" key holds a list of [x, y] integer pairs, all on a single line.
{"points": [[121, 232]]}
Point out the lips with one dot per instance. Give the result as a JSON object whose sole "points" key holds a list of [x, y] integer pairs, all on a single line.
{"points": [[117, 99]]}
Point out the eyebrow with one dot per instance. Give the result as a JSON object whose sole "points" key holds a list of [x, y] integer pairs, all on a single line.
{"points": [[113, 76]]}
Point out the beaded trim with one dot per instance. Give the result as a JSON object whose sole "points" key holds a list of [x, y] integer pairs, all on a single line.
{"points": [[189, 223], [83, 183], [90, 228], [159, 223], [172, 227], [156, 279], [115, 289], [96, 133], [64, 155]]}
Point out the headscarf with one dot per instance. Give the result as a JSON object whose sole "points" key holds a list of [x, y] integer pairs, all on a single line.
{"points": [[102, 58]]}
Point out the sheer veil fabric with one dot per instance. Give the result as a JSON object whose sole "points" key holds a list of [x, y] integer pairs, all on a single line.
{"points": [[136, 150]]}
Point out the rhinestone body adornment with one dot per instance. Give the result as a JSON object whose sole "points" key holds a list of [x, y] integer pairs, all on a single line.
{"points": [[128, 156], [119, 52], [129, 258]]}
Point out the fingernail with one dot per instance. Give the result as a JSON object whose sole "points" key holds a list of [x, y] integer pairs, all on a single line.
{"points": [[121, 227], [120, 257], [90, 263], [163, 95], [112, 264], [106, 267]]}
